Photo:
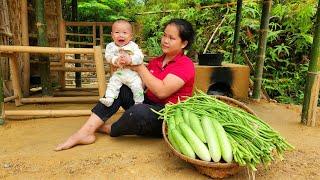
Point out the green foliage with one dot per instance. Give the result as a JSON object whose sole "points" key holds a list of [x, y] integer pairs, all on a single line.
{"points": [[288, 44], [98, 10]]}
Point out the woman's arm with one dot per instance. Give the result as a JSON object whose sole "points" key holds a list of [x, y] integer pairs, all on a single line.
{"points": [[161, 88]]}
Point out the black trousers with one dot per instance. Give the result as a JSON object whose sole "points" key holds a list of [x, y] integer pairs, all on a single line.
{"points": [[138, 119]]}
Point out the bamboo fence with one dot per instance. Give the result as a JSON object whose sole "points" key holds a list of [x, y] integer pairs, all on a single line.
{"points": [[12, 52]]}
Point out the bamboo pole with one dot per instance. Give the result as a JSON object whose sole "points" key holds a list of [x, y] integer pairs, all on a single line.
{"points": [[248, 62], [76, 69], [88, 99], [50, 50], [15, 79], [311, 93], [80, 43], [79, 34], [44, 66], [32, 114], [214, 32], [25, 42], [50, 113], [77, 61], [236, 30], [62, 41], [101, 36], [8, 99], [264, 27], [101, 77], [94, 33], [1, 100], [74, 93], [69, 23]]}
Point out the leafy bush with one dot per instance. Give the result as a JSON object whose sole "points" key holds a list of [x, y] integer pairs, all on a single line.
{"points": [[288, 44]]}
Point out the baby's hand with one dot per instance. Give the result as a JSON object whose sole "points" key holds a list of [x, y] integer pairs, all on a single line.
{"points": [[124, 59]]}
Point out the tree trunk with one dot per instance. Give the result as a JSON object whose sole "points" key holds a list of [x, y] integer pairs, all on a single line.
{"points": [[76, 30], [43, 41], [264, 27], [311, 92], [236, 30]]}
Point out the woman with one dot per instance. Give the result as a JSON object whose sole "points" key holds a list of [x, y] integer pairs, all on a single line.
{"points": [[168, 78]]}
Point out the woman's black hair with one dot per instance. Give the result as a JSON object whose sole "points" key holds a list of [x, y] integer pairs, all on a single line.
{"points": [[186, 31]]}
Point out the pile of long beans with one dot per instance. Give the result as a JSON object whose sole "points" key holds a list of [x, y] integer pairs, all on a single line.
{"points": [[253, 141]]}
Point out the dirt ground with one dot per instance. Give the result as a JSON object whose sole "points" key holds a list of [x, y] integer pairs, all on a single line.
{"points": [[26, 150]]}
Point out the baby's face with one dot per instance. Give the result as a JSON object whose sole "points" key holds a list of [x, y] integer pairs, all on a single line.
{"points": [[121, 33]]}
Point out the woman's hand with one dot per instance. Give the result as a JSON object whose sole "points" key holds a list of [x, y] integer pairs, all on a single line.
{"points": [[136, 68]]}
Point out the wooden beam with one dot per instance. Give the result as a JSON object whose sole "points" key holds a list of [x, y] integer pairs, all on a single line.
{"points": [[88, 99], [8, 99], [50, 50], [76, 69], [77, 61], [78, 34], [74, 93], [80, 43], [48, 113], [69, 23]]}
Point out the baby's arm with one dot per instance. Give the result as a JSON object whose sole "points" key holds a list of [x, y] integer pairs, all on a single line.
{"points": [[110, 54], [137, 55]]}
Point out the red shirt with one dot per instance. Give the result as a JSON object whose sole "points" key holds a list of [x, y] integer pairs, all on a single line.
{"points": [[181, 66]]}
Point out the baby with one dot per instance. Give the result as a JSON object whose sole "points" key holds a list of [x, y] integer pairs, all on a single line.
{"points": [[123, 51]]}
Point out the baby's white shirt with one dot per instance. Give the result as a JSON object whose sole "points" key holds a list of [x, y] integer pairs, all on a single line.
{"points": [[112, 53]]}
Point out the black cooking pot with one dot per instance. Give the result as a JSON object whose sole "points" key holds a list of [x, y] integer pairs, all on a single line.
{"points": [[209, 59]]}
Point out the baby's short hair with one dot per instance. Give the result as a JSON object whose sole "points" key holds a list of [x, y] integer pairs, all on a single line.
{"points": [[122, 21]]}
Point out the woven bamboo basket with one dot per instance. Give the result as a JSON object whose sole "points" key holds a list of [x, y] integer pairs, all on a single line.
{"points": [[211, 169]]}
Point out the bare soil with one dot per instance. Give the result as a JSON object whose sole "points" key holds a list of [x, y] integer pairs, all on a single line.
{"points": [[26, 150]]}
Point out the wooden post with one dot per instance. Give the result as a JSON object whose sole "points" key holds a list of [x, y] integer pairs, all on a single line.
{"points": [[62, 43], [311, 93], [15, 79], [101, 76], [101, 36], [264, 27], [236, 30], [1, 100], [43, 42], [25, 42], [94, 34]]}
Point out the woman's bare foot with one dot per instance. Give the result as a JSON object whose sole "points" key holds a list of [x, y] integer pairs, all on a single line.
{"points": [[76, 139], [105, 129]]}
